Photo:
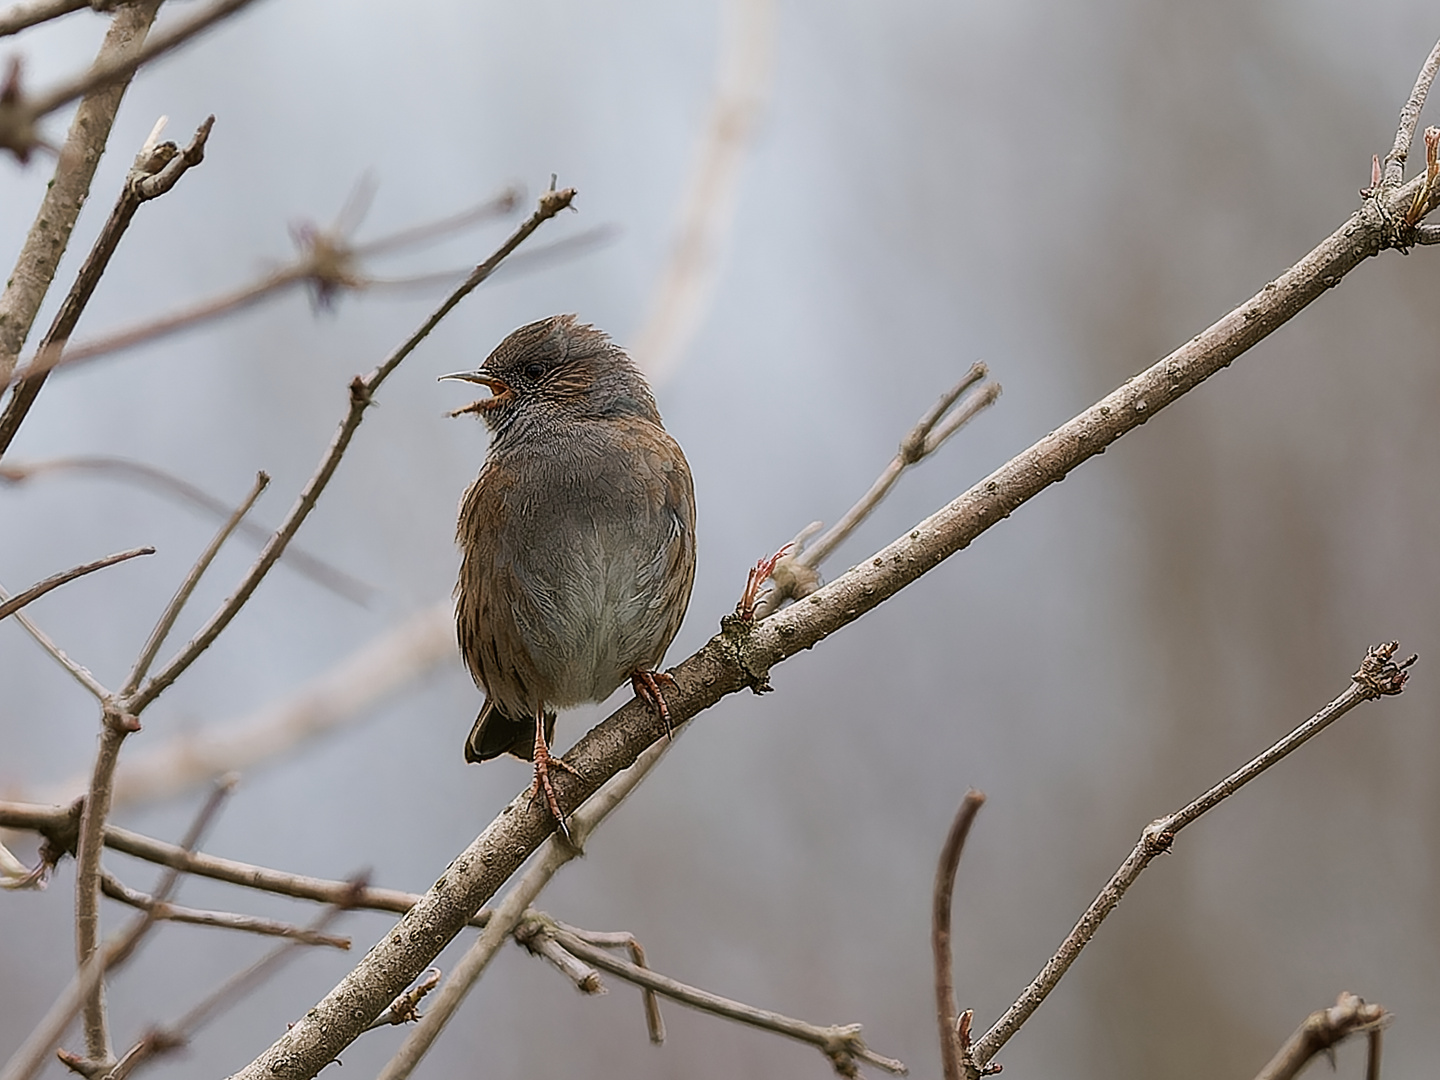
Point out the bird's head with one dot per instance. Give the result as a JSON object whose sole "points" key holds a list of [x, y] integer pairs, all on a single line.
{"points": [[558, 365]]}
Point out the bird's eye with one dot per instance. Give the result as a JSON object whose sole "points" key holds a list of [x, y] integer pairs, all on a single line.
{"points": [[534, 370]]}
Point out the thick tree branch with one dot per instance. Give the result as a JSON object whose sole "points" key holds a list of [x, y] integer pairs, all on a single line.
{"points": [[1378, 675], [742, 655]]}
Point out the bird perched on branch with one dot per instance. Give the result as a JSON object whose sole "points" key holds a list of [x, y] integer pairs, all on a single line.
{"points": [[577, 539]]}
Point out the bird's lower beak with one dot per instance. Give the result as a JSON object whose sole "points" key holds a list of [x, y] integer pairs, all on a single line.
{"points": [[500, 390]]}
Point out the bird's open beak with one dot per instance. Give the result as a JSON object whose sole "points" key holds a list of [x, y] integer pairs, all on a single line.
{"points": [[500, 390]]}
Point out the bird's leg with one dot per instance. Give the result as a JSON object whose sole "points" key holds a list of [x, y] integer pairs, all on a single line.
{"points": [[543, 761], [647, 689]]}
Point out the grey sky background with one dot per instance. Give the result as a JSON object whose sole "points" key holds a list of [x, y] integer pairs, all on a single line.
{"points": [[1067, 191]]}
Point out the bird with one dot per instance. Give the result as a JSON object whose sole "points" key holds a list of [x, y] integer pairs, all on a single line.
{"points": [[577, 540]]}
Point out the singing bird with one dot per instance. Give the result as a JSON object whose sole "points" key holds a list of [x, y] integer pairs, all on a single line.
{"points": [[577, 539]]}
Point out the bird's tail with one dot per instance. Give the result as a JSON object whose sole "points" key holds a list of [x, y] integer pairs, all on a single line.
{"points": [[495, 733]]}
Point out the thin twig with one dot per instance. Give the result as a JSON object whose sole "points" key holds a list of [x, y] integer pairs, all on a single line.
{"points": [[225, 920], [59, 825], [945, 1008], [533, 932], [54, 581], [159, 1040], [362, 391], [168, 484], [45, 243], [405, 1009], [623, 939], [22, 16], [796, 575], [1322, 1030], [172, 610], [838, 1042], [1409, 117], [34, 1053], [80, 673], [1378, 675], [156, 169]]}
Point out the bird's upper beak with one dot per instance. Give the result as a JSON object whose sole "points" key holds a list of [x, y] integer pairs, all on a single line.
{"points": [[500, 390]]}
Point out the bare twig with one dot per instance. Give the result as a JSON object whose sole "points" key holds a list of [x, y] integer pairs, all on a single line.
{"points": [[22, 16], [1322, 1030], [59, 825], [156, 169], [226, 920], [1378, 675], [165, 483], [950, 1056], [1394, 164], [797, 574], [623, 939], [89, 979], [405, 1009], [362, 391], [841, 1043], [534, 933], [172, 610], [39, 589], [89, 131], [159, 1040], [80, 673]]}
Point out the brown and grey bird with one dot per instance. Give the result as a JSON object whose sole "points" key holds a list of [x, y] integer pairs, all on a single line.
{"points": [[577, 539]]}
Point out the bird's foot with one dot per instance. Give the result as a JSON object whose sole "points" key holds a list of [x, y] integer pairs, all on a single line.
{"points": [[647, 689], [543, 762]]}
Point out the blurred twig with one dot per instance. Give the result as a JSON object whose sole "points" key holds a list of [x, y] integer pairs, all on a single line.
{"points": [[327, 262], [137, 472], [687, 281], [1378, 675], [39, 589], [1322, 1030], [22, 16]]}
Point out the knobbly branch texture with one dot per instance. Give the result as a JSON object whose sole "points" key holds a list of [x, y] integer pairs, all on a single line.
{"points": [[742, 654]]}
